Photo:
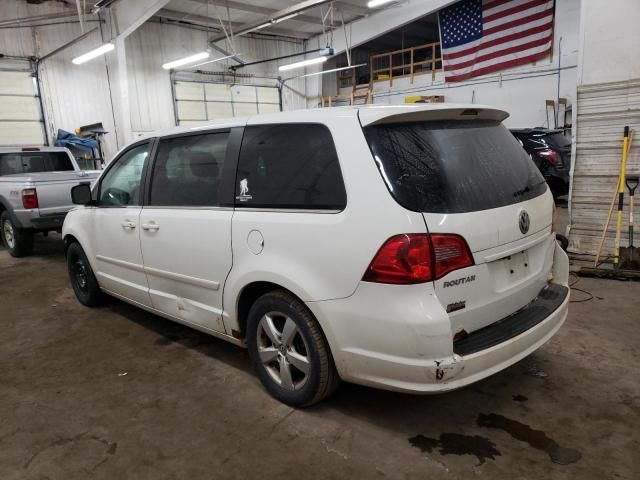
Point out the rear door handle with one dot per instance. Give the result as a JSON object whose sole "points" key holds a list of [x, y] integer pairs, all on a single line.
{"points": [[128, 225], [153, 227]]}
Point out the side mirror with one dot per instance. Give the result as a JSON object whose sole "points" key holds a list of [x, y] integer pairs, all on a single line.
{"points": [[81, 194]]}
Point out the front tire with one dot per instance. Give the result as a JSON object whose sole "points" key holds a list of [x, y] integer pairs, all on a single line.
{"points": [[19, 241], [83, 281], [289, 351]]}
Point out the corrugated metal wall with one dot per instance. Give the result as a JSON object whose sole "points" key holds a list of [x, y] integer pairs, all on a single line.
{"points": [[602, 112]]}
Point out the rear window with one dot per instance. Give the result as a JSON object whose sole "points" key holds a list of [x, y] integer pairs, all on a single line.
{"points": [[559, 140], [453, 166], [289, 166], [34, 162]]}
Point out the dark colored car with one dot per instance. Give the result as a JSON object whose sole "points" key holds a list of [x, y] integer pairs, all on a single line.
{"points": [[550, 150]]}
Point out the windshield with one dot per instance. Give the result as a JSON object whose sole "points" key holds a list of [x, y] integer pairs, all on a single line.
{"points": [[453, 166], [34, 162]]}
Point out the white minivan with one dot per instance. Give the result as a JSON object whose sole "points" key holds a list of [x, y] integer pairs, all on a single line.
{"points": [[408, 248]]}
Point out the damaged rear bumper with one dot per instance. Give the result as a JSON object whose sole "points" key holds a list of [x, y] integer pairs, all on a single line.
{"points": [[399, 337]]}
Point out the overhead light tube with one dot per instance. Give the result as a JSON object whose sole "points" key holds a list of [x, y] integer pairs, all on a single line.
{"points": [[377, 3], [286, 17], [186, 60], [101, 50], [302, 63]]}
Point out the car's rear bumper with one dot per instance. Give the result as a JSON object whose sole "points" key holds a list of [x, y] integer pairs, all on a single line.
{"points": [[33, 219], [399, 337]]}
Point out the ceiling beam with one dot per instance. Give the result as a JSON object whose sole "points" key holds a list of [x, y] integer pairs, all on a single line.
{"points": [[252, 8], [214, 22], [355, 9], [292, 10]]}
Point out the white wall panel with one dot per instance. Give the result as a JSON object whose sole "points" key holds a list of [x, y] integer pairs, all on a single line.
{"points": [[75, 95], [610, 41]]}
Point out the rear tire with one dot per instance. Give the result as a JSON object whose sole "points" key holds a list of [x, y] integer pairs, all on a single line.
{"points": [[83, 281], [19, 241], [289, 351]]}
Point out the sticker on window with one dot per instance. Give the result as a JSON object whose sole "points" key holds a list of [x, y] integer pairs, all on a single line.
{"points": [[244, 191]]}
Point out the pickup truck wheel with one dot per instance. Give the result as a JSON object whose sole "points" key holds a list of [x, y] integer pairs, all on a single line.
{"points": [[83, 280], [289, 351], [19, 241]]}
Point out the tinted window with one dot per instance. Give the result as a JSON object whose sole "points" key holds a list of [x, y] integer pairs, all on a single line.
{"points": [[453, 166], [34, 162], [559, 140], [289, 166], [187, 170], [120, 186]]}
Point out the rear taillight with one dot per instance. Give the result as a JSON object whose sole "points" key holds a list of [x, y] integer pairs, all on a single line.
{"points": [[553, 158], [29, 198], [451, 253], [417, 258]]}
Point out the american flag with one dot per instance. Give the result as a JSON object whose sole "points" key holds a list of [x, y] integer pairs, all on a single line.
{"points": [[480, 37]]}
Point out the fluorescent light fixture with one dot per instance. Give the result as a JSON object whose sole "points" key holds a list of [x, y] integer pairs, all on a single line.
{"points": [[186, 60], [377, 3], [264, 25], [333, 70], [303, 63], [101, 50], [214, 60], [286, 17]]}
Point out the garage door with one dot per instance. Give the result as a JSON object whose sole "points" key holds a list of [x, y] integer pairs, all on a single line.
{"points": [[20, 117], [199, 101]]}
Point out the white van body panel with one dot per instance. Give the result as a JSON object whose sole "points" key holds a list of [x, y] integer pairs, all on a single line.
{"points": [[397, 337]]}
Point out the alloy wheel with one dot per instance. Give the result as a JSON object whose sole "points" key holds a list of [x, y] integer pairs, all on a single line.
{"points": [[283, 350], [8, 233]]}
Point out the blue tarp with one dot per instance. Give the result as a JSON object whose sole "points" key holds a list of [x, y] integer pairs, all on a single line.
{"points": [[68, 139]]}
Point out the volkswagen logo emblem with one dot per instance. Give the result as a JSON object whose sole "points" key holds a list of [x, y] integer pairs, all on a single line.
{"points": [[524, 222]]}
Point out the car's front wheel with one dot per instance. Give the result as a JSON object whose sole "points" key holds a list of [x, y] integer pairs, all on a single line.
{"points": [[289, 351], [83, 281], [19, 241]]}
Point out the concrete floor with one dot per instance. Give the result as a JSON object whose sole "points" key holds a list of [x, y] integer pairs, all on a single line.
{"points": [[118, 393]]}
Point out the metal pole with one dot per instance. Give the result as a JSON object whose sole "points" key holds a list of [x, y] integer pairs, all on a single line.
{"points": [[66, 45]]}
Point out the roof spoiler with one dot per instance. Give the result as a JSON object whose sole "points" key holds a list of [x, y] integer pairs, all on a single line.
{"points": [[410, 113]]}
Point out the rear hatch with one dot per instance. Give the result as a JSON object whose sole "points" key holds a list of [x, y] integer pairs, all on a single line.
{"points": [[470, 177]]}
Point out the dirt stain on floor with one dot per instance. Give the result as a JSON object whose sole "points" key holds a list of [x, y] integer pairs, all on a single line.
{"points": [[457, 444], [536, 438]]}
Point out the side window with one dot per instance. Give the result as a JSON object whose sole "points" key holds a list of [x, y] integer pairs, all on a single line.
{"points": [[289, 166], [187, 171], [10, 164], [120, 186]]}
